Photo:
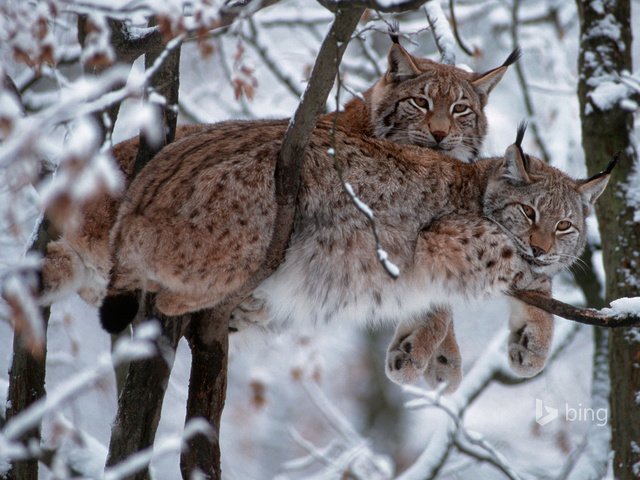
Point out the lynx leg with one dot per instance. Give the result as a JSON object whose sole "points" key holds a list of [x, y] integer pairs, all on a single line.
{"points": [[63, 272], [414, 344], [445, 364], [530, 338]]}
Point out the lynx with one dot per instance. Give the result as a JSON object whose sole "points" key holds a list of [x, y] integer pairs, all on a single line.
{"points": [[437, 106], [198, 219]]}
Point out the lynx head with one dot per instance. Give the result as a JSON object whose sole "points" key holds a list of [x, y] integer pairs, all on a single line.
{"points": [[540, 208], [424, 103]]}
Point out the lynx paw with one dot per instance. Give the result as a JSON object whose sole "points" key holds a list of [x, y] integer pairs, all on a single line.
{"points": [[250, 313], [444, 367], [406, 361], [527, 354]]}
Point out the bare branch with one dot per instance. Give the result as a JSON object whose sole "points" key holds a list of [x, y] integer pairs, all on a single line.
{"points": [[269, 62], [600, 318], [456, 33], [528, 103]]}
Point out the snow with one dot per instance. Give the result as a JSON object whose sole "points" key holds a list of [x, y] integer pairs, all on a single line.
{"points": [[627, 306], [363, 207], [392, 268], [442, 32], [608, 94]]}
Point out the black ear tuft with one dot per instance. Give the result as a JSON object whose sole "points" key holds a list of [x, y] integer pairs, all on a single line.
{"points": [[522, 127], [614, 161], [609, 168], [513, 57], [118, 311], [394, 31]]}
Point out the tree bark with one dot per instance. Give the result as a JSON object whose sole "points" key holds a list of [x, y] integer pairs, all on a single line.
{"points": [[605, 132], [208, 340], [27, 373], [140, 401], [208, 334]]}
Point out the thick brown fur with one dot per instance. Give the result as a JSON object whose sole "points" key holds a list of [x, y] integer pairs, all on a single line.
{"points": [[198, 219]]}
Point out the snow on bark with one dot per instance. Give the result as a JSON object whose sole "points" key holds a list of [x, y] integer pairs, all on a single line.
{"points": [[441, 32]]}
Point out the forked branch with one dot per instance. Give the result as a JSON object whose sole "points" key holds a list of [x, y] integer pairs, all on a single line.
{"points": [[589, 316]]}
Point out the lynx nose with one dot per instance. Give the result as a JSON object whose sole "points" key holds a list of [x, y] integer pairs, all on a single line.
{"points": [[438, 135], [537, 251]]}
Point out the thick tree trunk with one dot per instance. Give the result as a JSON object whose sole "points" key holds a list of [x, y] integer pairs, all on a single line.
{"points": [[140, 401], [208, 338], [208, 334], [605, 132]]}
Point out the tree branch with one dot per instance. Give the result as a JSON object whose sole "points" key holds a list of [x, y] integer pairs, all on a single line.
{"points": [[289, 164], [456, 33], [397, 7], [528, 103], [589, 316]]}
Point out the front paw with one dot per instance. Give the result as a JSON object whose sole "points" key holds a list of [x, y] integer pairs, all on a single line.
{"points": [[444, 368], [528, 351], [406, 361]]}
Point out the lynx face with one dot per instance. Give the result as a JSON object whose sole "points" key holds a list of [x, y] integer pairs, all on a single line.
{"points": [[420, 102], [542, 210]]}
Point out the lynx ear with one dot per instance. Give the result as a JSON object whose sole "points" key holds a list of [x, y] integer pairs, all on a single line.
{"points": [[516, 164], [401, 64], [592, 188], [485, 83]]}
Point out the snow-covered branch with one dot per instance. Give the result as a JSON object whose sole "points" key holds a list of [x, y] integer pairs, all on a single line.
{"points": [[624, 312], [384, 6], [442, 33], [126, 350]]}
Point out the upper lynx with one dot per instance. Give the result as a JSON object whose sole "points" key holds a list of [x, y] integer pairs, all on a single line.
{"points": [[196, 222]]}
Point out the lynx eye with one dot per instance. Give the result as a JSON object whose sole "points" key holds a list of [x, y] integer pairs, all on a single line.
{"points": [[528, 212], [460, 108], [420, 102], [563, 226]]}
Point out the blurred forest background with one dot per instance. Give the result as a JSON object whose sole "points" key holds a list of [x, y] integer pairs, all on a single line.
{"points": [[313, 404]]}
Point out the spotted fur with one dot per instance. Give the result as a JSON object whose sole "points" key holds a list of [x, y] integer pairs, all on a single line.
{"points": [[198, 219]]}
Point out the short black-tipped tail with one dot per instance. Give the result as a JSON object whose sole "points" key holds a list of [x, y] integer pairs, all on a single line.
{"points": [[118, 311]]}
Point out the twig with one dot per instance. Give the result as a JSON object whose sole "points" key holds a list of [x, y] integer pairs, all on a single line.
{"points": [[383, 257], [456, 33], [528, 103], [394, 7], [270, 63], [427, 399], [589, 316]]}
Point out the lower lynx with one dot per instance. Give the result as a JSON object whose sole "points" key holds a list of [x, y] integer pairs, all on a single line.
{"points": [[198, 219]]}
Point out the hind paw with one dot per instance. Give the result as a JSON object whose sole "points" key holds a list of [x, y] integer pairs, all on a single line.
{"points": [[406, 360], [527, 354], [444, 367]]}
